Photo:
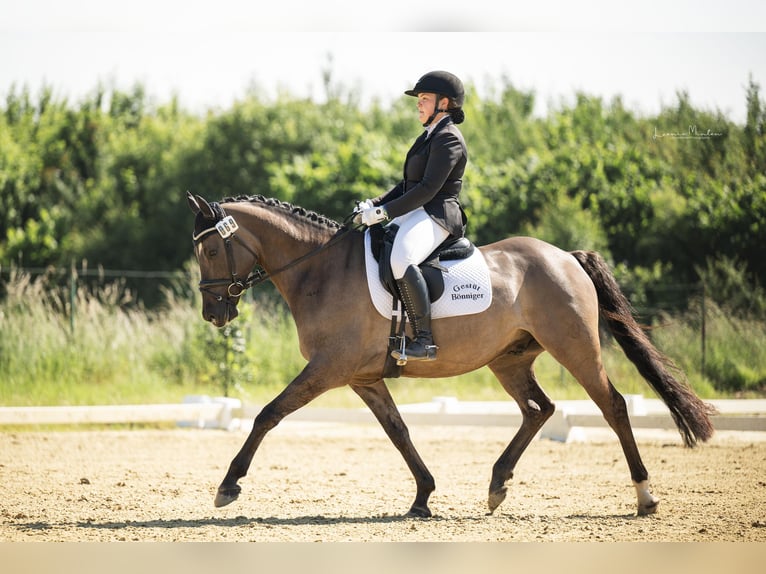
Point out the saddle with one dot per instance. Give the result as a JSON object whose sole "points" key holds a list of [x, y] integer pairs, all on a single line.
{"points": [[452, 249], [381, 243]]}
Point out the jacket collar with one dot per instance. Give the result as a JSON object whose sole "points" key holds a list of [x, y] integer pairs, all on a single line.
{"points": [[430, 130], [427, 134]]}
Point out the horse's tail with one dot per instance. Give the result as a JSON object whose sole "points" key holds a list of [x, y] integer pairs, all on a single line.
{"points": [[691, 415]]}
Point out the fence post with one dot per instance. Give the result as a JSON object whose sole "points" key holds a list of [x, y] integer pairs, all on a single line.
{"points": [[703, 337], [72, 296]]}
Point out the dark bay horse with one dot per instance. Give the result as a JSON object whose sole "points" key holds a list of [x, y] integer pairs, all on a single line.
{"points": [[544, 299]]}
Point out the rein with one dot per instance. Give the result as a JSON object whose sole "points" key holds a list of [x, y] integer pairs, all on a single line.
{"points": [[226, 228]]}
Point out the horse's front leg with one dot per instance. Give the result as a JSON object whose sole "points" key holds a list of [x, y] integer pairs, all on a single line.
{"points": [[382, 405], [303, 389]]}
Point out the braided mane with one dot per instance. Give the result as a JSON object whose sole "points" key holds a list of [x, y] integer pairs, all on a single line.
{"points": [[294, 210]]}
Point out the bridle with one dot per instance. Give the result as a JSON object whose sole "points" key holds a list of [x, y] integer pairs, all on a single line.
{"points": [[227, 227]]}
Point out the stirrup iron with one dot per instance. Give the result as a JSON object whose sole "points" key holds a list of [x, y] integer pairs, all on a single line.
{"points": [[401, 357], [401, 360]]}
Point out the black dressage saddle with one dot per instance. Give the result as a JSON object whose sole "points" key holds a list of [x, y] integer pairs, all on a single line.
{"points": [[381, 241]]}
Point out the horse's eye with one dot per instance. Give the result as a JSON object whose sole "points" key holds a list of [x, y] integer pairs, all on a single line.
{"points": [[212, 252]]}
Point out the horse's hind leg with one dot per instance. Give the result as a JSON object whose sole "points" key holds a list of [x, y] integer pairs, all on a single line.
{"points": [[517, 376], [612, 405], [592, 376], [382, 405]]}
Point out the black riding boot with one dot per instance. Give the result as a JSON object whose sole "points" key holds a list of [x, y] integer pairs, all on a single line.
{"points": [[414, 293]]}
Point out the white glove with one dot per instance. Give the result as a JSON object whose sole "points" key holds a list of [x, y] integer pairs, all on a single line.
{"points": [[362, 205], [374, 215]]}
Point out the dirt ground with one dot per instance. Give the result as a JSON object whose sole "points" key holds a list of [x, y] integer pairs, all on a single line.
{"points": [[338, 482]]}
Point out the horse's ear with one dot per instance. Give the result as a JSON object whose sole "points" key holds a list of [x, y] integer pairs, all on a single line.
{"points": [[193, 205], [204, 207]]}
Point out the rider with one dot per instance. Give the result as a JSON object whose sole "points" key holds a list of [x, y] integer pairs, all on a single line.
{"points": [[425, 203]]}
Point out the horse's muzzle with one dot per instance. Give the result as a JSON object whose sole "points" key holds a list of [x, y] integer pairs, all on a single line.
{"points": [[219, 312]]}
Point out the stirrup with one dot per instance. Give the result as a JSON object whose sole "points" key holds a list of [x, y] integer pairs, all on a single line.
{"points": [[401, 354]]}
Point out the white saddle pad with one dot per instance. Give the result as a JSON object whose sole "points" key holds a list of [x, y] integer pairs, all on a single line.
{"points": [[467, 288]]}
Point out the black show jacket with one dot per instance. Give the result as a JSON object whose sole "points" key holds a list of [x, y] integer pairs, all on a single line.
{"points": [[433, 172]]}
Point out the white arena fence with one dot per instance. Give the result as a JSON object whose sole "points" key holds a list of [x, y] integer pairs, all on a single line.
{"points": [[567, 423]]}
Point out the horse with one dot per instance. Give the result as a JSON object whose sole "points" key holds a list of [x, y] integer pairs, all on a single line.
{"points": [[544, 299]]}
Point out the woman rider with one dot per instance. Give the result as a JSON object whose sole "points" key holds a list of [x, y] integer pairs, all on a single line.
{"points": [[425, 203]]}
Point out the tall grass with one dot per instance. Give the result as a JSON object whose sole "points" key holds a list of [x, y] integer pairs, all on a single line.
{"points": [[731, 358], [107, 349], [108, 357]]}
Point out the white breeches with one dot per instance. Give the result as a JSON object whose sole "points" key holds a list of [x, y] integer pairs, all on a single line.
{"points": [[418, 236]]}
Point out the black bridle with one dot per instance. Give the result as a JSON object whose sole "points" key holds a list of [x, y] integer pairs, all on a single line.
{"points": [[227, 227]]}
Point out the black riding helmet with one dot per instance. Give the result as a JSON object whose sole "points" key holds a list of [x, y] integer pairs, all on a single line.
{"points": [[443, 84]]}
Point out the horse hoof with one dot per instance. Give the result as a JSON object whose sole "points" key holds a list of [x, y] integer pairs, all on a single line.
{"points": [[649, 507], [496, 498], [227, 495], [419, 512]]}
